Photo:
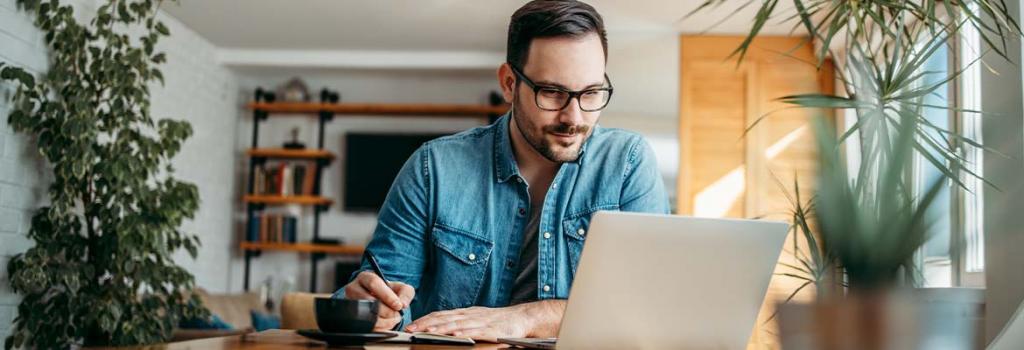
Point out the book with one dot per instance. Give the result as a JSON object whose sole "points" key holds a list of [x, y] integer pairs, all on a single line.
{"points": [[264, 219], [258, 179], [253, 234], [298, 177], [280, 179], [427, 338], [270, 180], [291, 228], [279, 234], [310, 182]]}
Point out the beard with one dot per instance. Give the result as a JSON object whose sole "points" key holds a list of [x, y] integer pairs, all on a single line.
{"points": [[558, 151]]}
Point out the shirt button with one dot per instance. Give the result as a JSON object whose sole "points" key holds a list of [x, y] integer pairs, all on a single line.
{"points": [[554, 186], [581, 232], [522, 211], [472, 256], [519, 180], [547, 288], [547, 234]]}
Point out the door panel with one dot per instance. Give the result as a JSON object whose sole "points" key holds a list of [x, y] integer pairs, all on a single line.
{"points": [[729, 171]]}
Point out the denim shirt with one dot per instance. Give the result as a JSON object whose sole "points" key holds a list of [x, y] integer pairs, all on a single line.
{"points": [[451, 225]]}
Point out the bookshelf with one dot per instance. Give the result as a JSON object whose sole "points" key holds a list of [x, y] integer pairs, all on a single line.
{"points": [[281, 153], [305, 248], [256, 200], [294, 199], [266, 232], [386, 109]]}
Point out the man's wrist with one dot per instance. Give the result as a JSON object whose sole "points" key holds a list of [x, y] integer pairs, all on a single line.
{"points": [[543, 317]]}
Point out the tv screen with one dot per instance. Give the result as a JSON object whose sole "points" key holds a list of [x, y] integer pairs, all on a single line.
{"points": [[372, 163]]}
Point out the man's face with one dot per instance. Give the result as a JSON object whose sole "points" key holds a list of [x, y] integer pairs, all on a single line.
{"points": [[569, 63]]}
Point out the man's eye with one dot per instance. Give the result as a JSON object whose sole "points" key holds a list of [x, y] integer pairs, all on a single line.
{"points": [[551, 93]]}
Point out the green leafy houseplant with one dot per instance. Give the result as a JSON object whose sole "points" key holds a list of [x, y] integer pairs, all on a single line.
{"points": [[101, 270], [870, 221]]}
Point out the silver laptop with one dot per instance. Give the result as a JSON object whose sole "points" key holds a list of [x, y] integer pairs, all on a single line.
{"points": [[650, 281]]}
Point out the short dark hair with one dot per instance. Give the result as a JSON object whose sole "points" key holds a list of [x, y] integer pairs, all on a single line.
{"points": [[551, 18]]}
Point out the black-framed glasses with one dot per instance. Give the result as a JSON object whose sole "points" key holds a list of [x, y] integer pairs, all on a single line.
{"points": [[550, 98]]}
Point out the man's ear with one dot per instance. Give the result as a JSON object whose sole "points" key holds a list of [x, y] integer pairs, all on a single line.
{"points": [[507, 81]]}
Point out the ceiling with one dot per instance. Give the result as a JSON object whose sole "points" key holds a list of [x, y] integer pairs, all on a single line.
{"points": [[436, 25]]}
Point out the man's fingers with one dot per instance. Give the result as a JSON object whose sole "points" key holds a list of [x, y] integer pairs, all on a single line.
{"points": [[430, 322], [355, 291], [457, 325], [404, 291], [386, 323], [379, 290], [385, 311]]}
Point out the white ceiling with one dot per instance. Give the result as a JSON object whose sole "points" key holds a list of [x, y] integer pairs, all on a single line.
{"points": [[435, 25]]}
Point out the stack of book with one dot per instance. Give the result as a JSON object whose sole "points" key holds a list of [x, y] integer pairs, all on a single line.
{"points": [[284, 178], [273, 228]]}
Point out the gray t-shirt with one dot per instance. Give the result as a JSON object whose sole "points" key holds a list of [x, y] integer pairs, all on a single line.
{"points": [[524, 289]]}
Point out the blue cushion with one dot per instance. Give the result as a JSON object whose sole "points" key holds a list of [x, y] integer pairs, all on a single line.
{"points": [[198, 323], [264, 321]]}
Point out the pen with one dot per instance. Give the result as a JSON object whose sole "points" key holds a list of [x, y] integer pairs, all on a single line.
{"points": [[376, 270]]}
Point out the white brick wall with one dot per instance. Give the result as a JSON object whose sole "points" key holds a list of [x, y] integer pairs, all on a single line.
{"points": [[206, 94], [197, 90], [21, 45]]}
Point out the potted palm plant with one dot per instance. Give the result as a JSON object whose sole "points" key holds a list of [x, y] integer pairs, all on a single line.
{"points": [[869, 220]]}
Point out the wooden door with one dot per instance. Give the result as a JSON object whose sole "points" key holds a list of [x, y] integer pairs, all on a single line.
{"points": [[726, 170]]}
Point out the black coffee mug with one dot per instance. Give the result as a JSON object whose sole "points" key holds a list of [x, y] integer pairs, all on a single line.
{"points": [[346, 316]]}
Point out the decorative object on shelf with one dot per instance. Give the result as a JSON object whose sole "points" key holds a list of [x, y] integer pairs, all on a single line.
{"points": [[328, 96], [265, 96], [294, 143], [294, 90], [102, 269]]}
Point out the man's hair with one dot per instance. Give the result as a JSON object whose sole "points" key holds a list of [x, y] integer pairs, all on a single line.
{"points": [[547, 19]]}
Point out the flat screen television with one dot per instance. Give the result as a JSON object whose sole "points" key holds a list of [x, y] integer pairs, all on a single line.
{"points": [[372, 161]]}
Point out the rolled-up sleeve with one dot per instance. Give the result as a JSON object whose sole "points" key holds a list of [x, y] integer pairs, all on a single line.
{"points": [[402, 226]]}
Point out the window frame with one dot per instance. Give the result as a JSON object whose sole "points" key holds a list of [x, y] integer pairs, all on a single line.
{"points": [[963, 203]]}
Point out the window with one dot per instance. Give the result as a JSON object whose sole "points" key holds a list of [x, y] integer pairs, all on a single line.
{"points": [[954, 256], [972, 261], [936, 256]]}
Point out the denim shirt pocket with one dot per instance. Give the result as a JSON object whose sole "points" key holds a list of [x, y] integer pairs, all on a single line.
{"points": [[575, 228], [461, 265]]}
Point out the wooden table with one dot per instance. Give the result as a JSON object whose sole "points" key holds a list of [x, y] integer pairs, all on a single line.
{"points": [[288, 339]]}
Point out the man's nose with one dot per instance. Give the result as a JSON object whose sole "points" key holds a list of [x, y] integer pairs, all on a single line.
{"points": [[571, 114]]}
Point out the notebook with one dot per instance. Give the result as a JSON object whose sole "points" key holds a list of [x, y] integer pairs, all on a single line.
{"points": [[428, 338]]}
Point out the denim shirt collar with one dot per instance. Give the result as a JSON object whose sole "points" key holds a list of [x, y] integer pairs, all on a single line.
{"points": [[505, 166], [504, 159]]}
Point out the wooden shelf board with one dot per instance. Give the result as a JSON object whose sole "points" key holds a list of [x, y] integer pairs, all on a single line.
{"points": [[304, 247], [289, 153], [275, 199], [455, 110]]}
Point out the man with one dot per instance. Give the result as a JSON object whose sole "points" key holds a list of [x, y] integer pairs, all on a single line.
{"points": [[482, 231]]}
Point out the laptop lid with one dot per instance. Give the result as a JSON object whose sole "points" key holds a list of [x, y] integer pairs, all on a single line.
{"points": [[662, 281]]}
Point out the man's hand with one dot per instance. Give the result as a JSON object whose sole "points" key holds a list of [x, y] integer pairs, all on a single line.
{"points": [[536, 319], [393, 298]]}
